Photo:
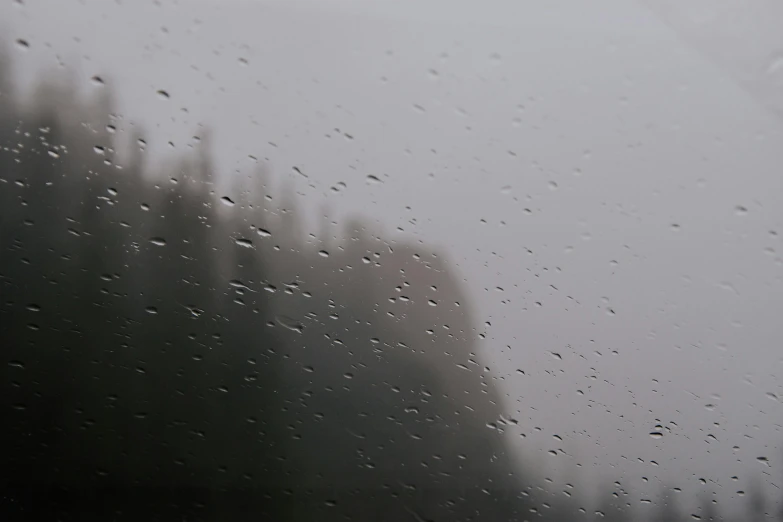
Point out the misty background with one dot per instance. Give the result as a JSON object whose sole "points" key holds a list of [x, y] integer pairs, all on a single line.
{"points": [[605, 190]]}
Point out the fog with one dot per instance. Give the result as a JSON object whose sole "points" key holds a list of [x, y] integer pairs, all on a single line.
{"points": [[603, 181]]}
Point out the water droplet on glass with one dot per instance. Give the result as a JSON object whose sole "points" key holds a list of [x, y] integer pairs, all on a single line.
{"points": [[244, 243], [227, 201], [163, 95], [158, 241], [373, 180], [289, 323]]}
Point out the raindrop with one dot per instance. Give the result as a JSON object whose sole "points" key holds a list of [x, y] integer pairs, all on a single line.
{"points": [[263, 232], [289, 323], [158, 241], [656, 434], [98, 81], [323, 253], [740, 210], [245, 243], [373, 180], [22, 44], [163, 94], [236, 283], [227, 201]]}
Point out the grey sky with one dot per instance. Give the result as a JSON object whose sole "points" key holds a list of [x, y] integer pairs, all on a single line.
{"points": [[618, 163]]}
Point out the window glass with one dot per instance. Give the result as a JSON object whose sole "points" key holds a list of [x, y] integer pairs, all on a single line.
{"points": [[391, 261]]}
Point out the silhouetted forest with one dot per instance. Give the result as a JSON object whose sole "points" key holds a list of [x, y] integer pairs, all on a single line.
{"points": [[174, 353]]}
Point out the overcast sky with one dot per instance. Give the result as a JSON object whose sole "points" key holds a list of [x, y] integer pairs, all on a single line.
{"points": [[606, 177]]}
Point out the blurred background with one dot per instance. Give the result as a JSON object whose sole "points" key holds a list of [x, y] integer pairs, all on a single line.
{"points": [[391, 260]]}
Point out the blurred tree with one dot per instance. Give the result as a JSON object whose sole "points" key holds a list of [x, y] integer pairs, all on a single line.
{"points": [[171, 350]]}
